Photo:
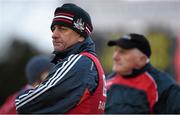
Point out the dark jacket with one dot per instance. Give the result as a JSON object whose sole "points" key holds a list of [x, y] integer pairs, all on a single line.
{"points": [[72, 75], [145, 91]]}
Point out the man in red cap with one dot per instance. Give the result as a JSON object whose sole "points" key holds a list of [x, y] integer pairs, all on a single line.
{"points": [[136, 86], [76, 84]]}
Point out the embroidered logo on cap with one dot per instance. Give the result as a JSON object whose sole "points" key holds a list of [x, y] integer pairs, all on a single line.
{"points": [[127, 37], [79, 24]]}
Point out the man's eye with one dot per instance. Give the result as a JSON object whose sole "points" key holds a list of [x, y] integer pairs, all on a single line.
{"points": [[53, 28], [122, 51], [62, 29]]}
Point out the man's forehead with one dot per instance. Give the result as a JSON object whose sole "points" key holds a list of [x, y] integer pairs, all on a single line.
{"points": [[131, 50], [121, 48]]}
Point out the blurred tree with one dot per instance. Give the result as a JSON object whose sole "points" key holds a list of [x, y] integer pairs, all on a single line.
{"points": [[163, 44], [12, 68]]}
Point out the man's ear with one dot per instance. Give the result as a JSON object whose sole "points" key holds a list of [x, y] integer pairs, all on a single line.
{"points": [[143, 59], [141, 62], [81, 38]]}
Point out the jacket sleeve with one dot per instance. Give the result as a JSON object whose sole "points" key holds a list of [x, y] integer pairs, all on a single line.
{"points": [[126, 100], [169, 101], [62, 90]]}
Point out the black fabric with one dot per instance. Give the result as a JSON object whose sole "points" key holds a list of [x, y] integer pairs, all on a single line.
{"points": [[133, 40], [169, 101], [168, 93]]}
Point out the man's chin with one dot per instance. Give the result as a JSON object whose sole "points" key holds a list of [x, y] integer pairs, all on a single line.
{"points": [[118, 70], [117, 67], [57, 50]]}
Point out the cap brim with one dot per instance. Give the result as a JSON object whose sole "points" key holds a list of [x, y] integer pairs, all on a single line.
{"points": [[121, 43], [112, 43]]}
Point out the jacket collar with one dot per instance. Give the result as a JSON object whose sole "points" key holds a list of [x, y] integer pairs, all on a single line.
{"points": [[86, 46], [137, 72]]}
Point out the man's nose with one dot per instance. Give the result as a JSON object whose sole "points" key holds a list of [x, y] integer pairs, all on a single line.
{"points": [[54, 33], [116, 56]]}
